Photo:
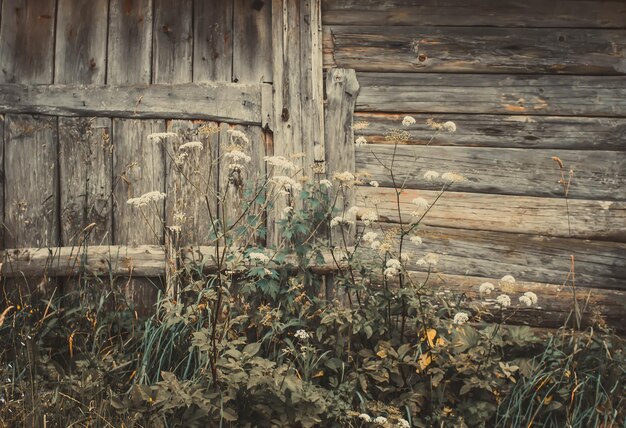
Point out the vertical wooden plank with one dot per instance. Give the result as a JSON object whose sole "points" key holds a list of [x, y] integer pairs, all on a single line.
{"points": [[342, 89], [31, 211], [192, 180], [130, 41], [252, 41], [81, 40], [235, 174], [85, 162], [213, 41], [173, 42], [2, 175], [27, 41]]}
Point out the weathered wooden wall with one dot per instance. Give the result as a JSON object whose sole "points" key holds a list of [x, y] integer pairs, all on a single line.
{"points": [[523, 81]]}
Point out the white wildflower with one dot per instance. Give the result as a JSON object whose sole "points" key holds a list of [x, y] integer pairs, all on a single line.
{"points": [[449, 126], [191, 145], [452, 177], [380, 420], [339, 220], [146, 198], [374, 183], [365, 417], [486, 288], [353, 210], [237, 136], [160, 136], [286, 183], [302, 335], [369, 217], [384, 247], [508, 280], [431, 258], [503, 300], [403, 423], [408, 121], [431, 175], [529, 298], [259, 257], [393, 263], [460, 318], [363, 124], [326, 183], [404, 258], [280, 162], [416, 240], [345, 177], [237, 156], [361, 141], [370, 236], [393, 268], [287, 210], [375, 245], [421, 203]]}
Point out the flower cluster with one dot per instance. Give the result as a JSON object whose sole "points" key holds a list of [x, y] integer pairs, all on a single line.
{"points": [[503, 300], [191, 145], [393, 268], [302, 335], [259, 257], [369, 217], [408, 121], [361, 141], [460, 318], [529, 298], [486, 288], [281, 162], [146, 198]]}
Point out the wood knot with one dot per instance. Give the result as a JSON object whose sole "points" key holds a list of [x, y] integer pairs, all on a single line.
{"points": [[285, 114]]}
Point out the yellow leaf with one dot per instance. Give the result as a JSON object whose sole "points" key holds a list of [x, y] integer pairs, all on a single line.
{"points": [[547, 400], [424, 361], [382, 353], [319, 374], [431, 333]]}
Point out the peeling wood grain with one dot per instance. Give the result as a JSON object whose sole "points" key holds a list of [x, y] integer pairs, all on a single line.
{"points": [[598, 264], [597, 174], [605, 220], [492, 94], [217, 101], [503, 131], [81, 42], [475, 49], [2, 180], [27, 41], [173, 42], [191, 176], [491, 13], [213, 41], [252, 41]]}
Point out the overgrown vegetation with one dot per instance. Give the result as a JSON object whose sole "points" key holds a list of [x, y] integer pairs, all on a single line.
{"points": [[328, 327]]}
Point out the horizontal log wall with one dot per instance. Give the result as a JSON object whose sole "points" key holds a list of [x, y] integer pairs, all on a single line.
{"points": [[524, 82]]}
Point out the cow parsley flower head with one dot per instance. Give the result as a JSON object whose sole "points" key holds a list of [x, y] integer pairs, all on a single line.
{"points": [[431, 175], [191, 145], [339, 220], [529, 298], [302, 335], [285, 183], [345, 177], [280, 162], [146, 198], [238, 137], [452, 177], [374, 183], [486, 288], [326, 183], [416, 240], [370, 236], [403, 423], [408, 121], [507, 280], [503, 300], [380, 420], [449, 126], [421, 203], [361, 141], [237, 157], [460, 318], [365, 417], [369, 217], [258, 257]]}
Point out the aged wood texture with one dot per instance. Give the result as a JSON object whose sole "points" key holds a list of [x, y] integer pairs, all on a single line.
{"points": [[597, 174], [130, 42], [27, 41], [512, 131], [217, 101], [85, 162], [492, 94], [342, 90], [598, 264], [138, 168], [555, 302], [605, 220], [2, 178], [31, 208], [81, 41], [498, 13], [475, 49], [252, 41], [213, 41], [191, 174], [173, 42]]}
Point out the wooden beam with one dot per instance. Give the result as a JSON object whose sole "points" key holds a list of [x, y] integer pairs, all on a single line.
{"points": [[502, 13], [475, 49], [555, 302], [433, 93], [218, 101]]}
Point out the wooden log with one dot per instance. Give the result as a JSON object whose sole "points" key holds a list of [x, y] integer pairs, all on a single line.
{"points": [[173, 42], [212, 41], [492, 94], [513, 131], [342, 89], [491, 13], [217, 101], [85, 162], [588, 219], [598, 264], [597, 174], [191, 174], [27, 41], [252, 41], [81, 42], [555, 302], [130, 42], [475, 49]]}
